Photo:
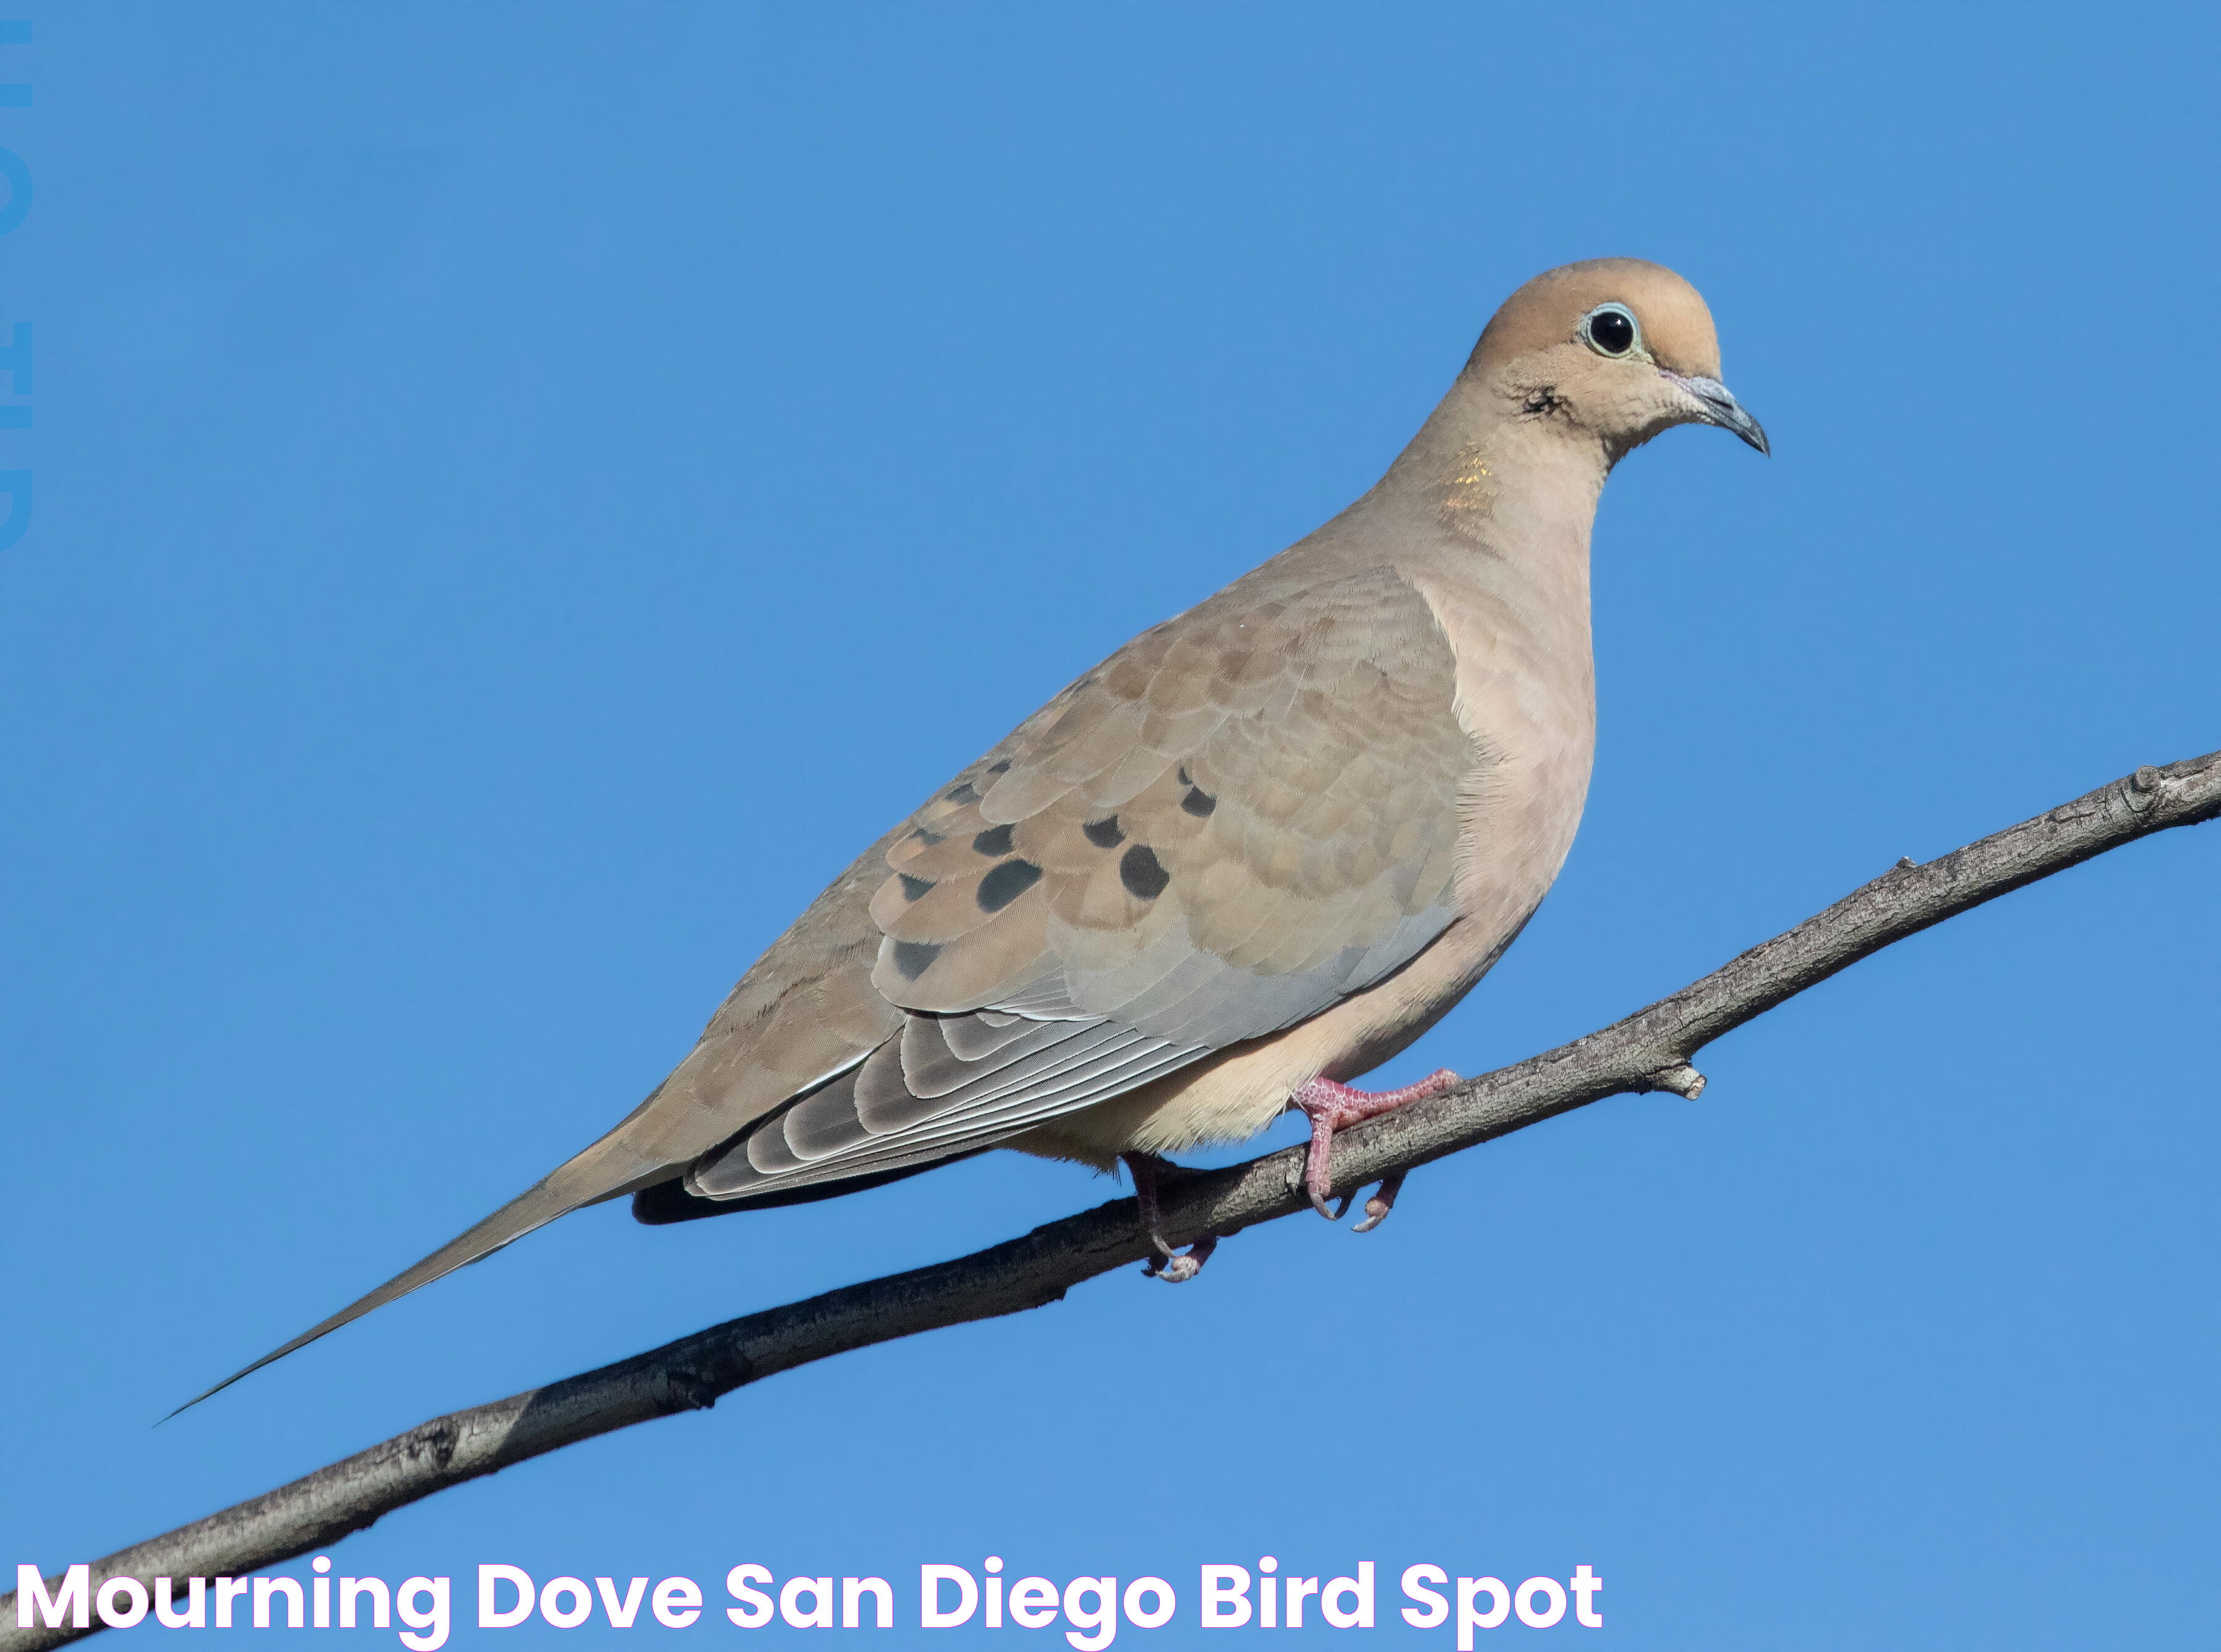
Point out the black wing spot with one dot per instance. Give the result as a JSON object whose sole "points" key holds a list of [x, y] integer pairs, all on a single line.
{"points": [[1003, 767], [1006, 883], [913, 888], [914, 958], [1184, 777], [995, 840], [928, 837], [966, 792], [1198, 801], [1105, 832], [1142, 872]]}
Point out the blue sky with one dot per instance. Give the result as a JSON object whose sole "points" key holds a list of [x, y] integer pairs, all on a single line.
{"points": [[525, 493]]}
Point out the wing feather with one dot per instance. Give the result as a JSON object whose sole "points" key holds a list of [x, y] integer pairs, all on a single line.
{"points": [[1247, 814]]}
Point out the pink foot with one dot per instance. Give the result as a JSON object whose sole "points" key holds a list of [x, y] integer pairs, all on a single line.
{"points": [[1174, 1267], [1332, 1107], [1382, 1202]]}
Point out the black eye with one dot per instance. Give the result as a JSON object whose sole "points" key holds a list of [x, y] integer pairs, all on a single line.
{"points": [[1612, 331]]}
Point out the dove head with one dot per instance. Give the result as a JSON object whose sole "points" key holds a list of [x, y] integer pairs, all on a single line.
{"points": [[1614, 349]]}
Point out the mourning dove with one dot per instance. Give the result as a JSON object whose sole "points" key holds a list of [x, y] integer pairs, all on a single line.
{"points": [[1255, 853]]}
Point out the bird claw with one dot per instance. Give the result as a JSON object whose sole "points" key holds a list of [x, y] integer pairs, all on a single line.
{"points": [[1174, 1267], [1178, 1268], [1382, 1202]]}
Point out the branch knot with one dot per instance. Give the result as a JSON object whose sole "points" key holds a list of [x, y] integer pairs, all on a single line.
{"points": [[436, 1440], [1679, 1078], [682, 1388]]}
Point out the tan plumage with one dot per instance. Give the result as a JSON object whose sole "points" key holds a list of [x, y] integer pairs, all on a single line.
{"points": [[1271, 840]]}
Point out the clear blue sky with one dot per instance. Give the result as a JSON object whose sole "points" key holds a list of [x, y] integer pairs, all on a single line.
{"points": [[525, 492]]}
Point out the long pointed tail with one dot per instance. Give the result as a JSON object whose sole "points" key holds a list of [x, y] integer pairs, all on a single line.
{"points": [[558, 1194]]}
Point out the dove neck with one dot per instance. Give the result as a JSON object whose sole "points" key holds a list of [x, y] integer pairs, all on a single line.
{"points": [[1507, 495], [1488, 513], [1488, 442]]}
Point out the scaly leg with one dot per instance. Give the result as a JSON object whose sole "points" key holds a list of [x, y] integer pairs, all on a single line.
{"points": [[1332, 1107], [1174, 1267]]}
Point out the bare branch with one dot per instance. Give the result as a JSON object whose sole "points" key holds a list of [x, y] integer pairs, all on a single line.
{"points": [[1649, 1050]]}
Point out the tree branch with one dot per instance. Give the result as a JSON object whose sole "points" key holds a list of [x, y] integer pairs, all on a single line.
{"points": [[1649, 1050]]}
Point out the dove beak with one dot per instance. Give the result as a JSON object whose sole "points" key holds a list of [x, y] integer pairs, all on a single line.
{"points": [[1717, 405]]}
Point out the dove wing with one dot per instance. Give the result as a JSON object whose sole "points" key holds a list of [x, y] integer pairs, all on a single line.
{"points": [[1243, 817]]}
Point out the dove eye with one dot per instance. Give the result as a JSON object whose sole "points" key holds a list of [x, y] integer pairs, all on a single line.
{"points": [[1610, 329]]}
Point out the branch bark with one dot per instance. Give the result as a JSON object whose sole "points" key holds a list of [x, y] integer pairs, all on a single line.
{"points": [[1652, 1049]]}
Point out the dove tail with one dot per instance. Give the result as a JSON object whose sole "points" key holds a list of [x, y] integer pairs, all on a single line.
{"points": [[556, 1195]]}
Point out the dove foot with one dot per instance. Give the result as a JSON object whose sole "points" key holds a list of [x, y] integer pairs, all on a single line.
{"points": [[1382, 1202], [1332, 1107], [1174, 1266]]}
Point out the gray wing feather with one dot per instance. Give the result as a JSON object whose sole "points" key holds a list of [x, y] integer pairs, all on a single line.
{"points": [[871, 1119], [1240, 819]]}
